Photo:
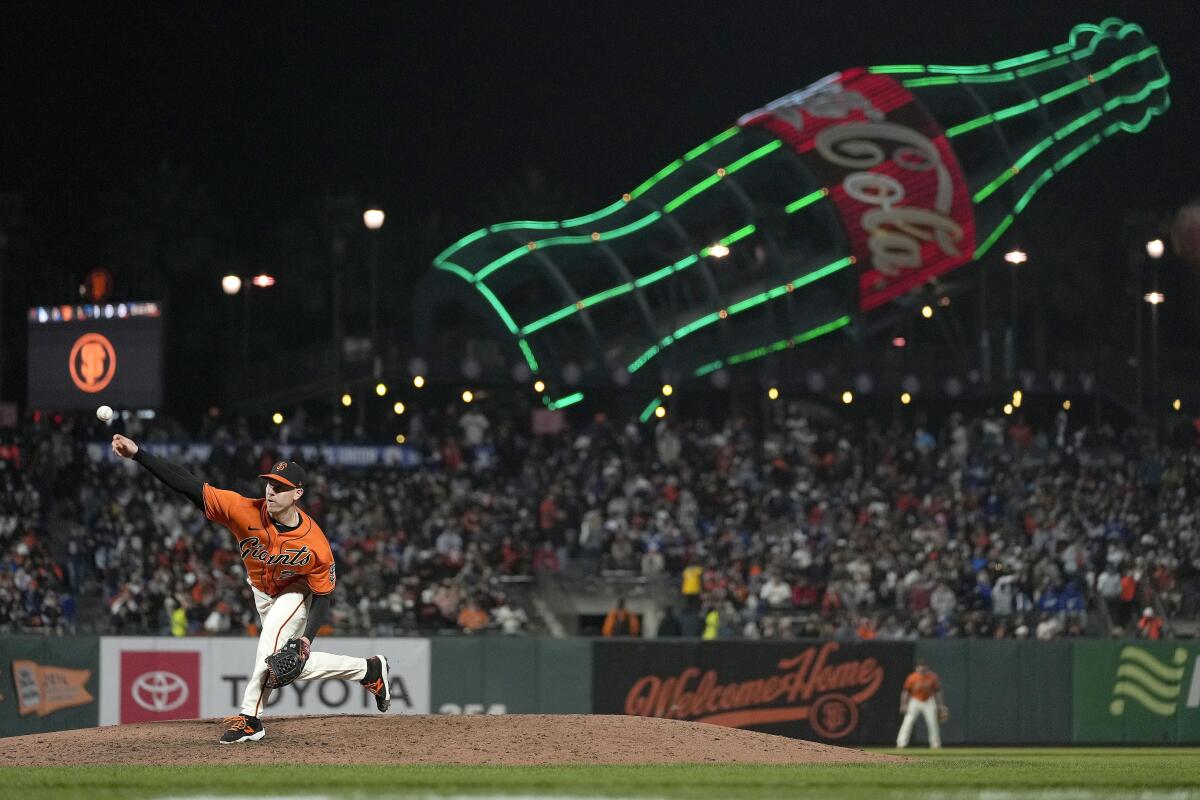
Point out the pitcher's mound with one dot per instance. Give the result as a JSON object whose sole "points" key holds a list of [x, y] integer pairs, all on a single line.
{"points": [[512, 739]]}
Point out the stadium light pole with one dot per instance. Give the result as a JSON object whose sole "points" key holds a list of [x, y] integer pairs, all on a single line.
{"points": [[373, 219], [1155, 299], [1015, 257], [1154, 251], [234, 284]]}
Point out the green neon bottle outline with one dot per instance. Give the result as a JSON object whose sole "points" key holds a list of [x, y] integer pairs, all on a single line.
{"points": [[737, 308], [563, 402], [1056, 94], [1062, 133], [663, 272], [1062, 163], [774, 347], [601, 236], [1100, 31], [629, 286], [820, 193], [597, 215], [980, 74], [649, 410]]}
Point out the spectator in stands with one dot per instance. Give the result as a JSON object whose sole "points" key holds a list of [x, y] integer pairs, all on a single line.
{"points": [[1150, 626], [653, 562], [775, 593], [712, 623], [510, 620], [472, 618], [621, 622], [546, 559]]}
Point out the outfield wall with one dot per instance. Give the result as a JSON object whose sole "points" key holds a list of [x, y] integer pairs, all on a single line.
{"points": [[999, 692]]}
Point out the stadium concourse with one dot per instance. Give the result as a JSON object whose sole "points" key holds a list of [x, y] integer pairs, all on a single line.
{"points": [[972, 527]]}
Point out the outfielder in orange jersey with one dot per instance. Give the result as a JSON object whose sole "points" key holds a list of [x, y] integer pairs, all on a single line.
{"points": [[291, 571], [922, 690]]}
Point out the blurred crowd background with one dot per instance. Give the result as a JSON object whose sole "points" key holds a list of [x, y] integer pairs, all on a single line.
{"points": [[967, 526]]}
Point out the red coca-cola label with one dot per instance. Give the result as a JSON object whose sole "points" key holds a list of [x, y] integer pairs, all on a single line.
{"points": [[897, 185]]}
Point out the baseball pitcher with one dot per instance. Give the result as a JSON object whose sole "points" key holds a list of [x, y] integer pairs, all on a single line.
{"points": [[290, 569], [922, 694]]}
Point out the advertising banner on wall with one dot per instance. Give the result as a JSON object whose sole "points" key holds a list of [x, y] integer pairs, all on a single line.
{"points": [[1136, 693], [47, 684], [824, 691], [146, 679]]}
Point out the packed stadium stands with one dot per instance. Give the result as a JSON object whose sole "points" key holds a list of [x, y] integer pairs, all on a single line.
{"points": [[962, 527]]}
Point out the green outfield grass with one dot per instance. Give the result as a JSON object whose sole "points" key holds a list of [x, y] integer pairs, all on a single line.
{"points": [[993, 774]]}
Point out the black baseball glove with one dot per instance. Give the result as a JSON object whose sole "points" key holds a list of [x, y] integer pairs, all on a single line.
{"points": [[286, 665]]}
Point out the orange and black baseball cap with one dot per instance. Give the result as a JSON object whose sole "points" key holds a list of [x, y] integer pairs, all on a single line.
{"points": [[289, 473]]}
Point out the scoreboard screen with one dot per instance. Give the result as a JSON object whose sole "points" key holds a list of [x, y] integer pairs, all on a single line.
{"points": [[84, 356]]}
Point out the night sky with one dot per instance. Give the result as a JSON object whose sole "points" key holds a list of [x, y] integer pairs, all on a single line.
{"points": [[435, 109]]}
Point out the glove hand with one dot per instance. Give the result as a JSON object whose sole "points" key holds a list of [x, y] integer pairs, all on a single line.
{"points": [[285, 666], [300, 647], [943, 714]]}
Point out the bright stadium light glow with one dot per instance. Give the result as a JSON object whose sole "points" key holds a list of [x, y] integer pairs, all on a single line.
{"points": [[718, 251], [660, 412], [1155, 248], [347, 400], [373, 218], [277, 418], [927, 312], [419, 381], [667, 389], [1016, 256], [773, 393], [468, 396], [231, 284], [381, 389], [905, 398], [847, 397], [398, 407]]}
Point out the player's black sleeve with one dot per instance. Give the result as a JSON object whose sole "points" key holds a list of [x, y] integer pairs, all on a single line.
{"points": [[317, 611], [172, 475]]}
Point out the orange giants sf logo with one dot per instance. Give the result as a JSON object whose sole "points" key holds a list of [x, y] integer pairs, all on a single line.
{"points": [[810, 685], [93, 362]]}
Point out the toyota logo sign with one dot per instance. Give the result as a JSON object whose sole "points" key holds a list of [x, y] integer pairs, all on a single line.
{"points": [[159, 691]]}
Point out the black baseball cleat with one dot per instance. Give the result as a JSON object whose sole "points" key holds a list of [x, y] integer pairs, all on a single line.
{"points": [[378, 682], [243, 728]]}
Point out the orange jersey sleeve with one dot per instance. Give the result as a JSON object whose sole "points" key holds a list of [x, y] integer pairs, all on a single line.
{"points": [[231, 509]]}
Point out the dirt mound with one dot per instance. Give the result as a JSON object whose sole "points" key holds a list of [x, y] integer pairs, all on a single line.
{"points": [[513, 739]]}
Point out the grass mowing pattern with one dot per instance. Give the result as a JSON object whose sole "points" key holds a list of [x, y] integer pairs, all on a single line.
{"points": [[953, 773]]}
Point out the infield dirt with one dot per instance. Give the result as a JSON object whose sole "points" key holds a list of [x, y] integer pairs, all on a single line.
{"points": [[507, 740]]}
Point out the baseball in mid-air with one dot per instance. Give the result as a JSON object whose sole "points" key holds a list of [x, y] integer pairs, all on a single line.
{"points": [[105, 413]]}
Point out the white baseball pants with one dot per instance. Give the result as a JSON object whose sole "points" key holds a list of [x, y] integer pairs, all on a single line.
{"points": [[929, 709], [284, 618]]}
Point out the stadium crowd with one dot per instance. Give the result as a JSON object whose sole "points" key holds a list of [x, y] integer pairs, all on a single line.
{"points": [[971, 527]]}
